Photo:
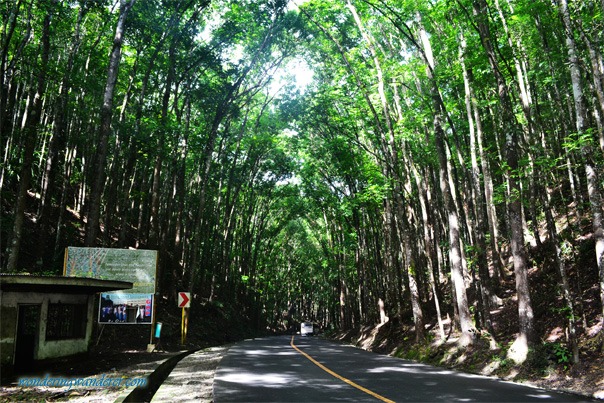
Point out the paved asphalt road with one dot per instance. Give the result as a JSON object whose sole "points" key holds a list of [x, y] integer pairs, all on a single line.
{"points": [[271, 370]]}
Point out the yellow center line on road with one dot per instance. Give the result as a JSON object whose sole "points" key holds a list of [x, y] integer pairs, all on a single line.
{"points": [[340, 377]]}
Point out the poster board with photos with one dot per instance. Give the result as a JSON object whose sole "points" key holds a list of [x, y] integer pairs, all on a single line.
{"points": [[134, 306]]}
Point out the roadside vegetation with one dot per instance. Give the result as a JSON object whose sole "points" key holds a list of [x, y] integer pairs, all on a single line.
{"points": [[434, 168]]}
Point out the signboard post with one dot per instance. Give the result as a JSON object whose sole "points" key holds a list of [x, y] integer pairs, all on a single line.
{"points": [[184, 302]]}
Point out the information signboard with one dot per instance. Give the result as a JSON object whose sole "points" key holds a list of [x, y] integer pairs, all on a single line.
{"points": [[136, 266]]}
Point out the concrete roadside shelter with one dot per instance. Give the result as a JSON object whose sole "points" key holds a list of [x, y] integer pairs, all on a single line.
{"points": [[47, 317]]}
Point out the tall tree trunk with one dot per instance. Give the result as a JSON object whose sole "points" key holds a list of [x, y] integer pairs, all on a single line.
{"points": [[94, 208], [155, 190], [499, 270], [479, 204], [30, 134], [597, 74], [6, 70], [555, 239], [430, 253], [519, 349], [124, 144], [445, 180], [57, 144]]}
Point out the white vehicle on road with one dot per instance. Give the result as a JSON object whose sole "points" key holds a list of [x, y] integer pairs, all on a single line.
{"points": [[306, 329]]}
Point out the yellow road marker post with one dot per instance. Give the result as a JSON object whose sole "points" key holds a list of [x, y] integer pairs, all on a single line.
{"points": [[183, 329], [340, 377]]}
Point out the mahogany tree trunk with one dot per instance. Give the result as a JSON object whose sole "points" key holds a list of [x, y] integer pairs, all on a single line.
{"points": [[100, 163]]}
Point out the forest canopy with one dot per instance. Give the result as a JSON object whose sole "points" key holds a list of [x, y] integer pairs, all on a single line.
{"points": [[348, 161]]}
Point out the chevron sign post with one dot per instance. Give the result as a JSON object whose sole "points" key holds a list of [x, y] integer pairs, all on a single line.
{"points": [[184, 301]]}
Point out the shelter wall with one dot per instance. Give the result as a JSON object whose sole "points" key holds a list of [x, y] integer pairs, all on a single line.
{"points": [[46, 346]]}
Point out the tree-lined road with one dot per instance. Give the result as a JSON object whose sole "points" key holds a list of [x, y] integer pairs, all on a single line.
{"points": [[323, 160], [271, 370]]}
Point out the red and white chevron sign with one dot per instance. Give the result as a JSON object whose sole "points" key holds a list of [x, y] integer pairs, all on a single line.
{"points": [[184, 299]]}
